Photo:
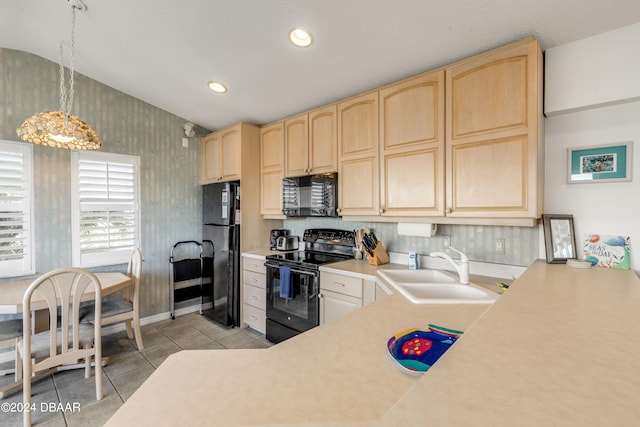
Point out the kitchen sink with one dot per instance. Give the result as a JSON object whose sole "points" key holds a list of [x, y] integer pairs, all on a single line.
{"points": [[427, 286]]}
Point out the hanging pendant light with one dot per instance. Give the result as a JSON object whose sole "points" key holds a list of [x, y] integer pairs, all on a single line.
{"points": [[61, 129]]}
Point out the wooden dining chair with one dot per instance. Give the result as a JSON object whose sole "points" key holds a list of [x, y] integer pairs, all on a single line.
{"points": [[67, 341], [10, 334], [125, 310]]}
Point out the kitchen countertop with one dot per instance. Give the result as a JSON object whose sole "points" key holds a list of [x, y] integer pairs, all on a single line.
{"points": [[560, 347]]}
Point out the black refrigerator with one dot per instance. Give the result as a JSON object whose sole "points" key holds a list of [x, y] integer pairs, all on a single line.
{"points": [[221, 218]]}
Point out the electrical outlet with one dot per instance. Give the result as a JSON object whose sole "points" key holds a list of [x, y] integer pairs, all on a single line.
{"points": [[185, 142], [446, 241], [499, 246]]}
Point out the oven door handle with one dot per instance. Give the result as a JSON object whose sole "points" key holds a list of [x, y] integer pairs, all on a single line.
{"points": [[272, 265], [306, 273], [293, 270]]}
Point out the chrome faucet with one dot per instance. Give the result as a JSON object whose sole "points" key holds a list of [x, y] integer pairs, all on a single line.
{"points": [[462, 267]]}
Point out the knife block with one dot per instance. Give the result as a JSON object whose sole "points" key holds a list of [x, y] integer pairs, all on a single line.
{"points": [[380, 255]]}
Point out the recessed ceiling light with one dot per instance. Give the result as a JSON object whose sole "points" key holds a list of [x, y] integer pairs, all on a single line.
{"points": [[300, 37], [217, 87]]}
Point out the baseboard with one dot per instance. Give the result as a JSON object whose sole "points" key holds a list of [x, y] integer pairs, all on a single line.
{"points": [[9, 354], [117, 327]]}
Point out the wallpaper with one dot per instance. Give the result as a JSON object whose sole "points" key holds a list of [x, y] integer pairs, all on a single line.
{"points": [[171, 206]]}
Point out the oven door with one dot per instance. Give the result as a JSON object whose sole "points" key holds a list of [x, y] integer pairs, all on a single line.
{"points": [[300, 312]]}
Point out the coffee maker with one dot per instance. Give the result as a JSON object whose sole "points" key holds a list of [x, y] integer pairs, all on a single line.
{"points": [[275, 233]]}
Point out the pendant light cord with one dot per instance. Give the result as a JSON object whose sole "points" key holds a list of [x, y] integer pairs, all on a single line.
{"points": [[66, 100]]}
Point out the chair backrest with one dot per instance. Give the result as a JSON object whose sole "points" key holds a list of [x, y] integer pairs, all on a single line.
{"points": [[62, 288], [134, 270]]}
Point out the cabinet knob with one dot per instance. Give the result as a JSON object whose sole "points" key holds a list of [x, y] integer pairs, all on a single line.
{"points": [[339, 210], [448, 210], [381, 211]]}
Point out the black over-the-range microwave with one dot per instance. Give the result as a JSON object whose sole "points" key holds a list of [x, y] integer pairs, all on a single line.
{"points": [[312, 195]]}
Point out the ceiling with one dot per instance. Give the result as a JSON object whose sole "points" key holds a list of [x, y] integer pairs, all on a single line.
{"points": [[165, 52]]}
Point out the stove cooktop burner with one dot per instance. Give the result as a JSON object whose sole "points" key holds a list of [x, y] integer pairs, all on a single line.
{"points": [[308, 257]]}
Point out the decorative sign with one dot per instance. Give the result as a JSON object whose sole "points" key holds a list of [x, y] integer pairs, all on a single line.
{"points": [[607, 251]]}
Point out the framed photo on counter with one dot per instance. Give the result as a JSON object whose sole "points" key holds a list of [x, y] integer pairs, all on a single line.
{"points": [[602, 163], [559, 238]]}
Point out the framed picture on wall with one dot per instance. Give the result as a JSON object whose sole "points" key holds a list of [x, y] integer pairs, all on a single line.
{"points": [[602, 163], [559, 238]]}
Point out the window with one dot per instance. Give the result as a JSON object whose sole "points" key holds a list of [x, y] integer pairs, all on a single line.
{"points": [[16, 215], [106, 214]]}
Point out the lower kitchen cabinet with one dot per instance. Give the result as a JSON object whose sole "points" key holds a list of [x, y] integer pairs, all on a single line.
{"points": [[340, 295], [254, 293], [334, 305]]}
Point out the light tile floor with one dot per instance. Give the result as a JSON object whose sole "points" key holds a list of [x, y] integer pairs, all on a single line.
{"points": [[128, 368]]}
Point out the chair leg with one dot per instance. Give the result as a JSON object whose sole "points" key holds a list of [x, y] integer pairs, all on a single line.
{"points": [[98, 374], [26, 389], [129, 329], [87, 363], [18, 364], [138, 333]]}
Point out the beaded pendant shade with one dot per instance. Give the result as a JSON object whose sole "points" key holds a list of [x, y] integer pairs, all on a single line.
{"points": [[61, 129]]}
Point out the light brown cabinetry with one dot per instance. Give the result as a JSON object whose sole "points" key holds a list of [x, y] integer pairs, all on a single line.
{"points": [[254, 298], [220, 155], [231, 154], [311, 143], [296, 145], [494, 152], [412, 147], [402, 155], [272, 169], [358, 176]]}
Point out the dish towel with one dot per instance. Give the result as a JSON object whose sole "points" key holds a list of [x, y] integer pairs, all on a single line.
{"points": [[286, 289]]}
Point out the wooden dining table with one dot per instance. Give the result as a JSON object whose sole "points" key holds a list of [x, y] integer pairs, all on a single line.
{"points": [[11, 294]]}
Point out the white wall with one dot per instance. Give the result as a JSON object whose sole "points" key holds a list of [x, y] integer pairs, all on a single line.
{"points": [[603, 208], [593, 72], [591, 98]]}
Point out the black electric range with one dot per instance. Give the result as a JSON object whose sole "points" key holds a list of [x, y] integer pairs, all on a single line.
{"points": [[293, 281]]}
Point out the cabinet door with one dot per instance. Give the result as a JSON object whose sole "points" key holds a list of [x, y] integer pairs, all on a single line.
{"points": [[209, 170], [230, 154], [358, 179], [323, 140], [494, 144], [296, 146], [334, 305], [412, 147], [272, 168]]}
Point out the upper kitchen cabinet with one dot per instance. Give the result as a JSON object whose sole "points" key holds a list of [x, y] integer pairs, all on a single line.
{"points": [[358, 177], [311, 143], [272, 169], [323, 140], [494, 132], [296, 145], [220, 157], [412, 141]]}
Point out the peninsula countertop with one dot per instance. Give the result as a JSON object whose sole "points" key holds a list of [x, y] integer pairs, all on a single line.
{"points": [[560, 347]]}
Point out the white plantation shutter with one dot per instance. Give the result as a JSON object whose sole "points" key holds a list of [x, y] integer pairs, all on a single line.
{"points": [[105, 207], [16, 201]]}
